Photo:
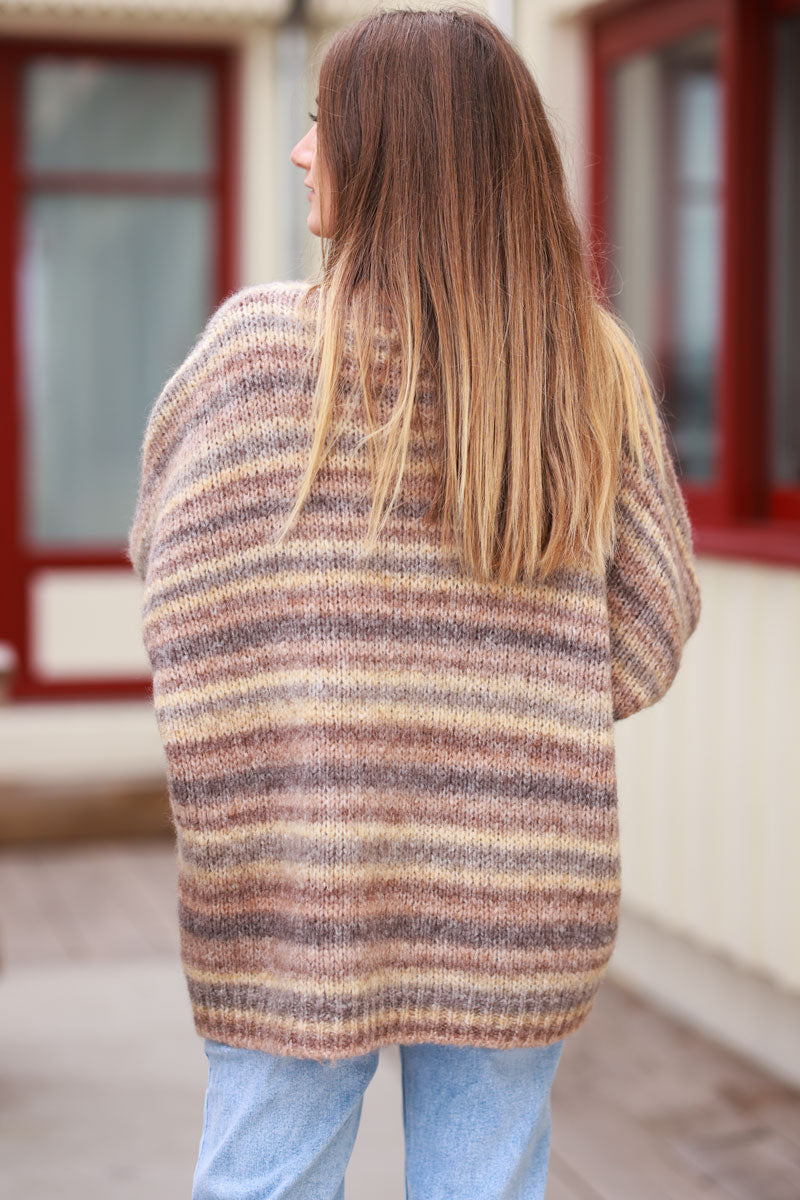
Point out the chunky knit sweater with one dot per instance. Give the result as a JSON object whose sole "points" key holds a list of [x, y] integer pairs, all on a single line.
{"points": [[393, 787]]}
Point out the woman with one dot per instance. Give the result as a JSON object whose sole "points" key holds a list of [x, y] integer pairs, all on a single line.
{"points": [[412, 540]]}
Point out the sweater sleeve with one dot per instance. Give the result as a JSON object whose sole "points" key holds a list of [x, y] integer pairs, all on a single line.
{"points": [[653, 592], [167, 421], [162, 433]]}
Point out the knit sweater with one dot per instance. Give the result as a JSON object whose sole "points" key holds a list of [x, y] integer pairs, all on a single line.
{"points": [[393, 787]]}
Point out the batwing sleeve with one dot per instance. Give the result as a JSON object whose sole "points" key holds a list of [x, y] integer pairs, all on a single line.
{"points": [[652, 587], [162, 433], [167, 422]]}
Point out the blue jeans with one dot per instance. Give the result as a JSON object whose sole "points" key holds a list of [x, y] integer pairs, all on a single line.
{"points": [[476, 1121]]}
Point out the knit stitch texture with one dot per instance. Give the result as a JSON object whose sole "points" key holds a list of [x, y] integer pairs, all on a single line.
{"points": [[393, 787]]}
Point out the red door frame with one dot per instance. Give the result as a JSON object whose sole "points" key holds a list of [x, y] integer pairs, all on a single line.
{"points": [[21, 561], [739, 515], [785, 501]]}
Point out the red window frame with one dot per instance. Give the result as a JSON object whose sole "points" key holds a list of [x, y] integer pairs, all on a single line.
{"points": [[740, 514], [20, 559]]}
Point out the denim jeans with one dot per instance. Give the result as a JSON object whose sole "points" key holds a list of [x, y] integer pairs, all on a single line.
{"points": [[476, 1122]]}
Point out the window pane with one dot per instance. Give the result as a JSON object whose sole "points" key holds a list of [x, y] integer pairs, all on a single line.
{"points": [[103, 325], [91, 114], [665, 225], [785, 321]]}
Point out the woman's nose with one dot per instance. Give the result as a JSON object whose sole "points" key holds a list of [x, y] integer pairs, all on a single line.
{"points": [[301, 156], [303, 153]]}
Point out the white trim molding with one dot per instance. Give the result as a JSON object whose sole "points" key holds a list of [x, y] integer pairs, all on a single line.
{"points": [[216, 11]]}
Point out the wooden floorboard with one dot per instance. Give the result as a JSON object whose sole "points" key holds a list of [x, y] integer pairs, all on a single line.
{"points": [[643, 1107]]}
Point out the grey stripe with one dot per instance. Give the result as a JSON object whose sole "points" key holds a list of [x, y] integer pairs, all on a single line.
{"points": [[277, 1002], [429, 929], [468, 781], [382, 848], [376, 627], [239, 515]]}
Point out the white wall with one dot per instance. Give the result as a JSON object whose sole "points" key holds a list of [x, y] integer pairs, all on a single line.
{"points": [[709, 778]]}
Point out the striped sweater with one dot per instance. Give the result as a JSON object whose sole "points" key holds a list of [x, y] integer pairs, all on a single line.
{"points": [[393, 787]]}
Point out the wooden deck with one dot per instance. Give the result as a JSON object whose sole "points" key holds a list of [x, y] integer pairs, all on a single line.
{"points": [[643, 1108]]}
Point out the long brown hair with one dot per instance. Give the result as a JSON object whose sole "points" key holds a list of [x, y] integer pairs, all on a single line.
{"points": [[450, 213]]}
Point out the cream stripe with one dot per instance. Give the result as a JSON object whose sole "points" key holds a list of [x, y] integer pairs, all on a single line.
{"points": [[493, 982], [316, 711], [468, 684], [236, 432], [339, 874], [449, 835], [271, 583]]}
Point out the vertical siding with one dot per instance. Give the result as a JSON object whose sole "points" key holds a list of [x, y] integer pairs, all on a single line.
{"points": [[709, 778]]}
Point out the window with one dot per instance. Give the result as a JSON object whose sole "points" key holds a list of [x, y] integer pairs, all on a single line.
{"points": [[784, 347], [695, 190], [116, 242]]}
